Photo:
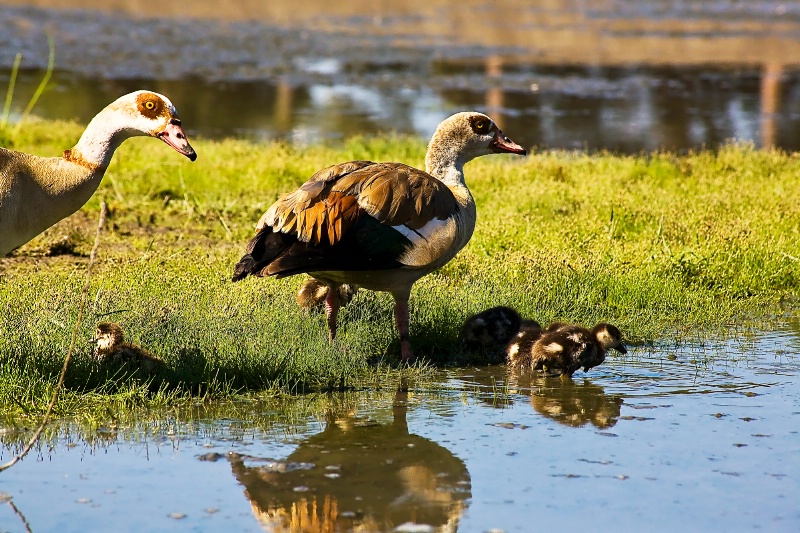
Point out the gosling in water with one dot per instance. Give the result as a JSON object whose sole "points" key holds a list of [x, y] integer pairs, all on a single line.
{"points": [[110, 345], [564, 348]]}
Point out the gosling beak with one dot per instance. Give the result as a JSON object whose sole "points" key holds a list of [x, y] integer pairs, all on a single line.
{"points": [[502, 144], [173, 135], [621, 348]]}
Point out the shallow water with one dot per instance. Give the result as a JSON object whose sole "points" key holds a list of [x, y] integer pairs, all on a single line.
{"points": [[688, 438], [618, 75]]}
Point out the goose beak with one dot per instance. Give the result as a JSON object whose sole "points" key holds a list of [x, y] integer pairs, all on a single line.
{"points": [[621, 348], [173, 135], [502, 144]]}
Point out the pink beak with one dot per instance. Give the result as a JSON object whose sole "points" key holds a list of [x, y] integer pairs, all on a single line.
{"points": [[502, 144], [173, 135]]}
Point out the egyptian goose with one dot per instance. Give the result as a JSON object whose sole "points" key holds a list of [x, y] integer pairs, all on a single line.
{"points": [[380, 226], [564, 348], [110, 345], [36, 192], [313, 292], [491, 328]]}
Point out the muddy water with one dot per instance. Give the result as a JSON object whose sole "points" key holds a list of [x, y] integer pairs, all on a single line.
{"points": [[702, 438], [617, 75]]}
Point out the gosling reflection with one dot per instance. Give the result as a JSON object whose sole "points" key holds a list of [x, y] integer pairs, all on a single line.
{"points": [[357, 476], [572, 403]]}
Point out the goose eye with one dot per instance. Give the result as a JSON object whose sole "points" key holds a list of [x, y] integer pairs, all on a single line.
{"points": [[480, 125], [150, 105]]}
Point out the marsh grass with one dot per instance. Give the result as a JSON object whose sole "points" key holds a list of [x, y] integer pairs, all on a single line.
{"points": [[667, 247]]}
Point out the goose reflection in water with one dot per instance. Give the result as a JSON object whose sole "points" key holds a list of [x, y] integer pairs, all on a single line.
{"points": [[358, 475], [572, 403]]}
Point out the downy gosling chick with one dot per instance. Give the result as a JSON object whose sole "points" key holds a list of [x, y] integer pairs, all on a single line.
{"points": [[110, 345], [492, 328], [564, 348], [313, 292]]}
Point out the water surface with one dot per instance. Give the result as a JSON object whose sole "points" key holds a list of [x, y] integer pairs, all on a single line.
{"points": [[617, 75], [688, 438]]}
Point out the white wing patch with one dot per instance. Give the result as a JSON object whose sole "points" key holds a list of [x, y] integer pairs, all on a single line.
{"points": [[553, 347], [513, 350], [429, 242]]}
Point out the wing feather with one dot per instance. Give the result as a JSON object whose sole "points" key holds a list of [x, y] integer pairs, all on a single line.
{"points": [[324, 208]]}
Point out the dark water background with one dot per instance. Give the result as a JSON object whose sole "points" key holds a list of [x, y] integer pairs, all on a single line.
{"points": [[616, 75]]}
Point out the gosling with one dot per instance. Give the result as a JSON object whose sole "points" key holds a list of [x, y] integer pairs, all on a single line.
{"points": [[564, 348], [312, 294], [492, 328], [110, 345]]}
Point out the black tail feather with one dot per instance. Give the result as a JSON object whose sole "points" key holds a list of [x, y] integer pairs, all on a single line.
{"points": [[261, 251], [243, 268]]}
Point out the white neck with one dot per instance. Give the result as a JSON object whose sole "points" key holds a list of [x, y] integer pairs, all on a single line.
{"points": [[101, 138], [446, 164], [448, 167]]}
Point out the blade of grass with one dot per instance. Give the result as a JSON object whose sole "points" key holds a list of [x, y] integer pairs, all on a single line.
{"points": [[42, 84], [10, 91]]}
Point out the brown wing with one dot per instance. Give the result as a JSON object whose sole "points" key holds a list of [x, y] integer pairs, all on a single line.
{"points": [[332, 201]]}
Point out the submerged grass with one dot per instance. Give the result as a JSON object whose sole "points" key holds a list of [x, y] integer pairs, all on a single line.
{"points": [[665, 246]]}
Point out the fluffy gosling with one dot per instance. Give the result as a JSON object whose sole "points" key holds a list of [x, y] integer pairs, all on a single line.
{"points": [[494, 327], [312, 294], [564, 348], [110, 345]]}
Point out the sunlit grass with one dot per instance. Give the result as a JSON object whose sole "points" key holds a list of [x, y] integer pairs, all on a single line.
{"points": [[667, 247]]}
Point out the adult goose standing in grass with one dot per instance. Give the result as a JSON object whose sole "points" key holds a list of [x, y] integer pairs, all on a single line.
{"points": [[36, 192], [380, 226]]}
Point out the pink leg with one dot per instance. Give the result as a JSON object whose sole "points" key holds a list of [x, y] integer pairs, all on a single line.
{"points": [[331, 310], [401, 318]]}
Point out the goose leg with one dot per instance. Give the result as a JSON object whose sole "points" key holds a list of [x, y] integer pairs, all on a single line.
{"points": [[401, 318], [332, 305]]}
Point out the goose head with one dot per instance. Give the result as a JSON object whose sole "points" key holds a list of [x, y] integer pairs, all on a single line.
{"points": [[463, 137], [107, 336], [609, 337], [135, 114], [152, 114]]}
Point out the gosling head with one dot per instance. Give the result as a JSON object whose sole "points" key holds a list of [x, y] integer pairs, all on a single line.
{"points": [[107, 336], [609, 337]]}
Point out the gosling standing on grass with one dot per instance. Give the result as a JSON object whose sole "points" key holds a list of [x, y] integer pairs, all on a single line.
{"points": [[563, 348], [312, 294], [494, 327], [110, 345]]}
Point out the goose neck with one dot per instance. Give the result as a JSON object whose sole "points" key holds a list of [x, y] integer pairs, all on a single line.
{"points": [[100, 139]]}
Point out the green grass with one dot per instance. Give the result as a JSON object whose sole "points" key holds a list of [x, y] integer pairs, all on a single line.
{"points": [[666, 247]]}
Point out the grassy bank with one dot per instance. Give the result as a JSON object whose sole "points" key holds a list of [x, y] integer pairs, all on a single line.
{"points": [[667, 247]]}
